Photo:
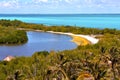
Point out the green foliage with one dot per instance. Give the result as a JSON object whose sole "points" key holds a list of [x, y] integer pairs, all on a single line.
{"points": [[9, 35], [102, 60]]}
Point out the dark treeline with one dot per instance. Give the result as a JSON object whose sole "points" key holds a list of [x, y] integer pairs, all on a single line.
{"points": [[100, 61], [10, 35], [72, 29]]}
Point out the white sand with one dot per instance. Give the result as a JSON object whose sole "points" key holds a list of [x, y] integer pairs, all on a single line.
{"points": [[92, 39]]}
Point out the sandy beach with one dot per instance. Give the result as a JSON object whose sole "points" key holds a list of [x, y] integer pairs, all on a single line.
{"points": [[79, 39]]}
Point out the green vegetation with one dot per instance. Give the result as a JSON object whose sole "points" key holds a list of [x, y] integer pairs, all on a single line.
{"points": [[72, 29], [9, 35], [100, 61]]}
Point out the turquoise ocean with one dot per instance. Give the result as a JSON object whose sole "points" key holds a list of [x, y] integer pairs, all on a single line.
{"points": [[80, 20]]}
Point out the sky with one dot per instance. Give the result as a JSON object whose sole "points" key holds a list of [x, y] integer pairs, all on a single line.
{"points": [[59, 6]]}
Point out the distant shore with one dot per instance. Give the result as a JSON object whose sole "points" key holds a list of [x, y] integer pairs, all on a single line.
{"points": [[77, 38]]}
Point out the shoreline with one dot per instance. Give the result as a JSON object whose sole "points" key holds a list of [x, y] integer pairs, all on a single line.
{"points": [[78, 39]]}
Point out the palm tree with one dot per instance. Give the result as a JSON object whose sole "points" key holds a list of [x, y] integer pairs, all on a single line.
{"points": [[57, 70], [114, 58], [63, 68], [96, 68]]}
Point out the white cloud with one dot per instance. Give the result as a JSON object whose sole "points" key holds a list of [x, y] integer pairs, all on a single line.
{"points": [[6, 4], [38, 1], [9, 4], [59, 4]]}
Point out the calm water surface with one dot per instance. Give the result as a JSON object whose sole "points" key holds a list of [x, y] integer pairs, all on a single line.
{"points": [[83, 20], [38, 41]]}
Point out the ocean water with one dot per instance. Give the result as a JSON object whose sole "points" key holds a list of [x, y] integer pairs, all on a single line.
{"points": [[80, 20]]}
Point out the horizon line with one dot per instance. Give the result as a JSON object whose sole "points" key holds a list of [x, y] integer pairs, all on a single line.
{"points": [[52, 13]]}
